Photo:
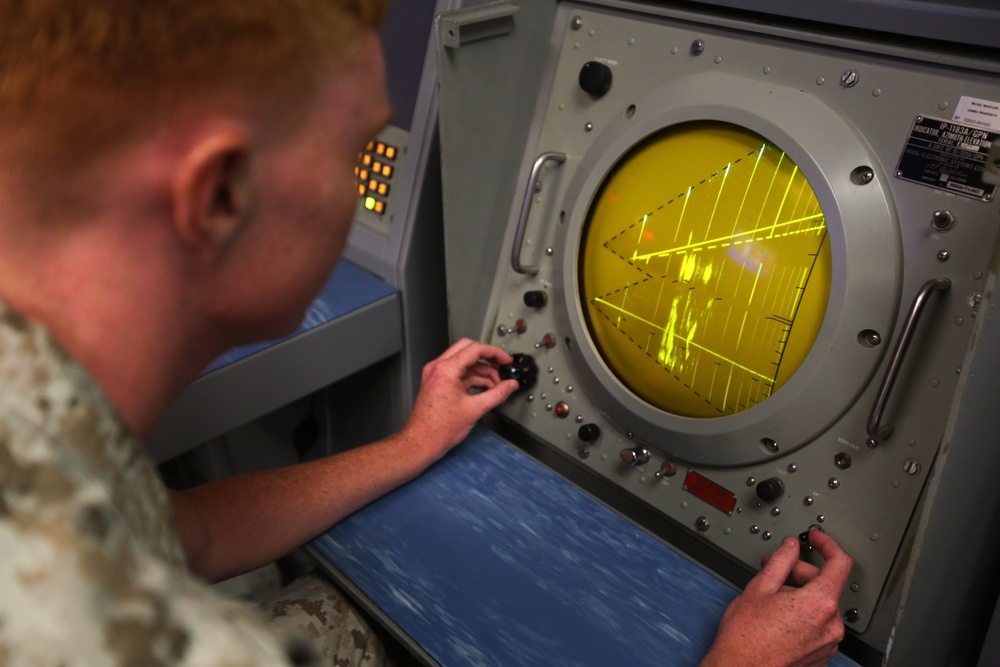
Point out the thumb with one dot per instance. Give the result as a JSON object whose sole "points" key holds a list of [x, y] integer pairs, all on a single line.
{"points": [[494, 396]]}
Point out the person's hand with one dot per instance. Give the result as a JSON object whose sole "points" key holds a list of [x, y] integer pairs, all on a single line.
{"points": [[772, 623], [445, 410]]}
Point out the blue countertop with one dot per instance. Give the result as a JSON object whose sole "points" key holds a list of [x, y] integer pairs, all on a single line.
{"points": [[490, 558]]}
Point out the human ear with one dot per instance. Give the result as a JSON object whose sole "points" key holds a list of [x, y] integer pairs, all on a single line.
{"points": [[212, 191]]}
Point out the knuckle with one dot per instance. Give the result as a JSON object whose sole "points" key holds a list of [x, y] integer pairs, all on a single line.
{"points": [[828, 607], [835, 632]]}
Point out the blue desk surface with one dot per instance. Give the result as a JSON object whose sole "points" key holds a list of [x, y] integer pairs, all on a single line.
{"points": [[490, 558], [348, 288]]}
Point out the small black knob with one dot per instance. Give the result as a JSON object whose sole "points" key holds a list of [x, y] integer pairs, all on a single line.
{"points": [[523, 369], [595, 78], [770, 489], [589, 432], [535, 298]]}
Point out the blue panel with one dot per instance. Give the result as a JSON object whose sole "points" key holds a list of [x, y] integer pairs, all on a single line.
{"points": [[348, 288], [490, 558]]}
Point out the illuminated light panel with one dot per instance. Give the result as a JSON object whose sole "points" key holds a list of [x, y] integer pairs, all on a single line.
{"points": [[390, 152], [715, 495], [704, 269], [370, 203]]}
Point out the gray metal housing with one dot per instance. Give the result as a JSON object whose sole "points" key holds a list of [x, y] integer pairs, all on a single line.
{"points": [[509, 94]]}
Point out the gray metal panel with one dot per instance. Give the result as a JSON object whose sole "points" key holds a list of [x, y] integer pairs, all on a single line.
{"points": [[479, 124], [258, 384], [966, 22], [482, 129], [950, 588]]}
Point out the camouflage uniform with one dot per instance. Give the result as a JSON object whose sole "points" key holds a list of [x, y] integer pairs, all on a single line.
{"points": [[91, 567], [312, 606]]}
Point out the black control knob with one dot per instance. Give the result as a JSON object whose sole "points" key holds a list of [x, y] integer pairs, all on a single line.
{"points": [[589, 432], [770, 489], [595, 78], [535, 298], [523, 369]]}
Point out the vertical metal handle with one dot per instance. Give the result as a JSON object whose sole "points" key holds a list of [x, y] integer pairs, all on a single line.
{"points": [[522, 219], [896, 358]]}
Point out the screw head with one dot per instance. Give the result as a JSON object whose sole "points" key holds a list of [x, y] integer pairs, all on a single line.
{"points": [[849, 78]]}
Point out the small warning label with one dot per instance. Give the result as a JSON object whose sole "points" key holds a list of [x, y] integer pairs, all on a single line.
{"points": [[947, 155]]}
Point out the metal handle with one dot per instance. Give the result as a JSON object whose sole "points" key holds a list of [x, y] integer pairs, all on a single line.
{"points": [[522, 219], [875, 429]]}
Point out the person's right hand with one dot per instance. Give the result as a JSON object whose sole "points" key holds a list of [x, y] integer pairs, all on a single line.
{"points": [[445, 410], [772, 623]]}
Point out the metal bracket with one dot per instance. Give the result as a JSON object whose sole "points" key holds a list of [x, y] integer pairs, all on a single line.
{"points": [[522, 218], [876, 429], [461, 26]]}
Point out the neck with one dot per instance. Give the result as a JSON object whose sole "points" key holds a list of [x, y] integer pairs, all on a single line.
{"points": [[114, 313]]}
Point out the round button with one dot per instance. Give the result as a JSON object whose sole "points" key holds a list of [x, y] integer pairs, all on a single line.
{"points": [[595, 78]]}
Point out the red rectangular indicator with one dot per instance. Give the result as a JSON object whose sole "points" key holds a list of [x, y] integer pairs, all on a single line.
{"points": [[717, 496]]}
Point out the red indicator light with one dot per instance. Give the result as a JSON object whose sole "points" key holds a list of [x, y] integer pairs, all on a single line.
{"points": [[562, 410], [717, 496]]}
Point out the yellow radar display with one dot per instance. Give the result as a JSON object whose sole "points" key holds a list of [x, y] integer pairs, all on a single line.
{"points": [[704, 269]]}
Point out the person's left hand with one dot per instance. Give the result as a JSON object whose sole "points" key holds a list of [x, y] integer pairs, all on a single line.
{"points": [[445, 410]]}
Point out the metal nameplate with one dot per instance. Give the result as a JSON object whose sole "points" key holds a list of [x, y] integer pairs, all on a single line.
{"points": [[949, 156]]}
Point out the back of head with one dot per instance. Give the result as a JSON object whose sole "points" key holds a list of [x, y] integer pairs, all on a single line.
{"points": [[80, 78]]}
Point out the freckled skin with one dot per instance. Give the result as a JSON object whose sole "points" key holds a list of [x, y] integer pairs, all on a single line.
{"points": [[772, 623]]}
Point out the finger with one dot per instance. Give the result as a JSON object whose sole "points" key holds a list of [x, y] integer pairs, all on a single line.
{"points": [[484, 370], [837, 568], [803, 573], [777, 567], [477, 382], [485, 401], [474, 352], [455, 347]]}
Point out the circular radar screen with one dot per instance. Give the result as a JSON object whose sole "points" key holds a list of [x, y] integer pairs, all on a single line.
{"points": [[704, 269]]}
